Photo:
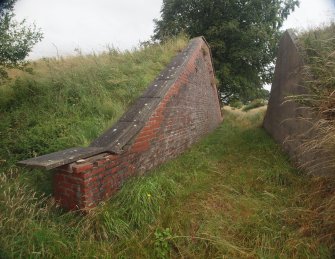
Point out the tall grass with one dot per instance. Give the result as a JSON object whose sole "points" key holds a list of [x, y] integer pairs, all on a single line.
{"points": [[232, 195], [68, 102], [65, 102], [318, 50]]}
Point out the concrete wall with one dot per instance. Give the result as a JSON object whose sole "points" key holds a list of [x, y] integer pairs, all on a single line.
{"points": [[178, 117], [288, 122]]}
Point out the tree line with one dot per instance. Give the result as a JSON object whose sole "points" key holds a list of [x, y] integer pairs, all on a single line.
{"points": [[243, 35]]}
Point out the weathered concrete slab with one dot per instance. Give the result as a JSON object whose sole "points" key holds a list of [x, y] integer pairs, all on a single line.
{"points": [[53, 160], [141, 110], [114, 139], [158, 88]]}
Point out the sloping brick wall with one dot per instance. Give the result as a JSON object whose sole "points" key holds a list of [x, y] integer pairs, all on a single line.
{"points": [[187, 110]]}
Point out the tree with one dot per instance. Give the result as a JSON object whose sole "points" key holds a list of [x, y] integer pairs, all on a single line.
{"points": [[16, 39], [243, 35]]}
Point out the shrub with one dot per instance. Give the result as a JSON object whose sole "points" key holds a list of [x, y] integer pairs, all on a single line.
{"points": [[236, 104], [254, 104]]}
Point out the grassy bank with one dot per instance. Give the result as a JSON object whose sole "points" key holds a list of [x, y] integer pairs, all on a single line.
{"points": [[233, 195], [318, 51], [68, 102]]}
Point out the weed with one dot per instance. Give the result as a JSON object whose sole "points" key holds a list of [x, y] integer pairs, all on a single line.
{"points": [[236, 104], [162, 246], [254, 104]]}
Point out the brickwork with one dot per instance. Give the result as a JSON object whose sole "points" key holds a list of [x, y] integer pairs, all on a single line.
{"points": [[188, 110]]}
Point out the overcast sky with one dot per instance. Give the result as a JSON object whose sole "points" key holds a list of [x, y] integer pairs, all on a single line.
{"points": [[91, 25]]}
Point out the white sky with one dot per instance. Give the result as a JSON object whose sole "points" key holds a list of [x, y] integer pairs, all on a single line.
{"points": [[91, 25], [87, 24], [311, 13]]}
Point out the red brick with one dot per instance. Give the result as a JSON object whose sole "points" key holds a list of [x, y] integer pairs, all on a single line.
{"points": [[72, 180], [189, 110], [100, 162], [58, 177], [67, 185], [96, 171], [77, 169], [114, 170], [112, 164], [146, 136]]}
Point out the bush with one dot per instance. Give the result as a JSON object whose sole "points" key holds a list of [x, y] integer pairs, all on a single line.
{"points": [[236, 104], [254, 104]]}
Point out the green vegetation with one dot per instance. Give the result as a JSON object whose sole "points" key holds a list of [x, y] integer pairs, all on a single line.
{"points": [[69, 102], [16, 39], [251, 105], [236, 104], [318, 50], [243, 36], [254, 104], [234, 194]]}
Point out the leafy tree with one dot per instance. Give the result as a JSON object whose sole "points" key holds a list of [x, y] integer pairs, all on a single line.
{"points": [[243, 35], [16, 39]]}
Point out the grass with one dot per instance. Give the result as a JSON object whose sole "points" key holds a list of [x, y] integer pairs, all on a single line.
{"points": [[318, 51], [68, 102], [254, 104], [233, 195]]}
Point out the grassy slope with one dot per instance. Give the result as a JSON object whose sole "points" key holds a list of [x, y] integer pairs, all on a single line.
{"points": [[234, 194], [318, 51], [69, 102]]}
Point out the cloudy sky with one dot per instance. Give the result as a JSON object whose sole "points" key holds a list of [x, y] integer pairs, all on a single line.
{"points": [[91, 25], [311, 13]]}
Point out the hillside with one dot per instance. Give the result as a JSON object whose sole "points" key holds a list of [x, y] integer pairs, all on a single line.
{"points": [[68, 102], [234, 194]]}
